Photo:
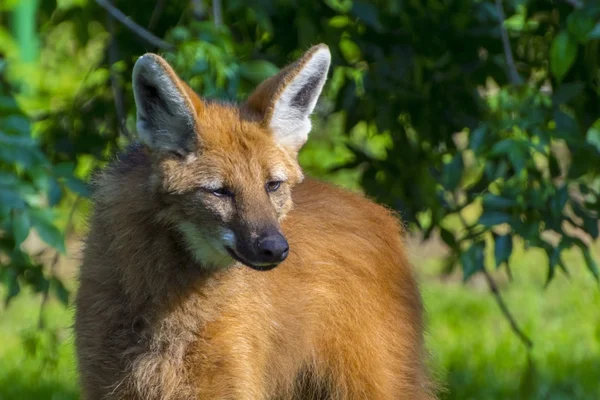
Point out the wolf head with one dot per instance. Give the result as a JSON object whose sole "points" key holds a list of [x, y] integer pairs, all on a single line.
{"points": [[225, 172]]}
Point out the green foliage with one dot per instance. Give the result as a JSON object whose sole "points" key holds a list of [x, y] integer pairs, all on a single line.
{"points": [[464, 137], [29, 185], [562, 54], [424, 111]]}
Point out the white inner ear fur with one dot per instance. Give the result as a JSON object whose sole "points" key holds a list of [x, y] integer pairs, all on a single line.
{"points": [[290, 122], [164, 119]]}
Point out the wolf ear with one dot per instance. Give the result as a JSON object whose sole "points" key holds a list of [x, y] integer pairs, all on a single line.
{"points": [[165, 113], [286, 100]]}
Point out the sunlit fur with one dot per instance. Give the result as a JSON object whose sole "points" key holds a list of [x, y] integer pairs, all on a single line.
{"points": [[162, 312]]}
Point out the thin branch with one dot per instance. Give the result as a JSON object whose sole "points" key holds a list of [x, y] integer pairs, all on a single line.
{"points": [[117, 89], [503, 307], [217, 12], [512, 73], [508, 271], [158, 9], [46, 295], [132, 26], [513, 324]]}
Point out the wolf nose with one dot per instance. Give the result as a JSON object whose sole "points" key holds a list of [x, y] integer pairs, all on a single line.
{"points": [[272, 248]]}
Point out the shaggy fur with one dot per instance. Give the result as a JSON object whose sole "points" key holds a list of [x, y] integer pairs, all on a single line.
{"points": [[340, 318]]}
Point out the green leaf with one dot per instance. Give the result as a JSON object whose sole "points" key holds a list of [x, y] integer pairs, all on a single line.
{"points": [[10, 199], [8, 179], [567, 92], [48, 232], [515, 22], [17, 124], [64, 169], [22, 155], [492, 218], [257, 70], [340, 21], [497, 202], [495, 170], [590, 223], [518, 158], [559, 200], [516, 151], [78, 186], [553, 261], [448, 238], [8, 105], [580, 25], [452, 173], [472, 260], [594, 33], [16, 140], [566, 126], [350, 50], [591, 263], [54, 192], [563, 52], [21, 224], [341, 6], [477, 137], [201, 66], [503, 249], [593, 135], [503, 147], [554, 167], [12, 283], [580, 164], [368, 13], [59, 290], [35, 278]]}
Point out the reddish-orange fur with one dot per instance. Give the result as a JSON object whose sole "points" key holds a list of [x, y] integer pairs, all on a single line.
{"points": [[340, 318]]}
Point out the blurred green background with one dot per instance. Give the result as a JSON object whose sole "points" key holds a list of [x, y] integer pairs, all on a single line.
{"points": [[479, 121]]}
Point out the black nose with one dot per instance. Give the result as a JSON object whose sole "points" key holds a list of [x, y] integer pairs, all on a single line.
{"points": [[272, 248]]}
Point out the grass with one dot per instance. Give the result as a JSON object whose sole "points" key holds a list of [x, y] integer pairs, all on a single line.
{"points": [[36, 364], [474, 354]]}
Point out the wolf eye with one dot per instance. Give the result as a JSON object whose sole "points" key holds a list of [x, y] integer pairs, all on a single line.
{"points": [[272, 186], [222, 192], [178, 154]]}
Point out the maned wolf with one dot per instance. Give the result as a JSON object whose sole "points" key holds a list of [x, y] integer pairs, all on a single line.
{"points": [[211, 272]]}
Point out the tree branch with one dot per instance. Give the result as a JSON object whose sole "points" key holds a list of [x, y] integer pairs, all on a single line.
{"points": [[132, 26], [41, 320], [511, 68], [217, 12], [513, 324], [503, 307]]}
